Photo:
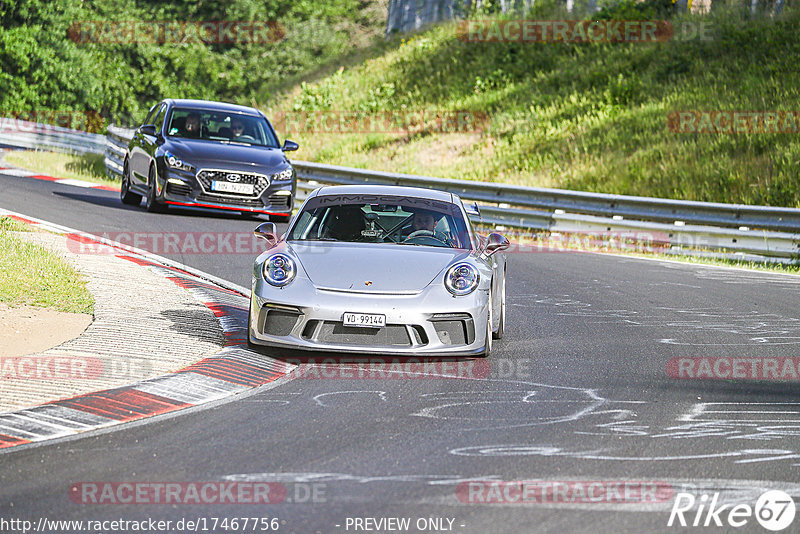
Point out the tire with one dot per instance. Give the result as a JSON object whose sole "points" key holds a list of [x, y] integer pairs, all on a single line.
{"points": [[151, 202], [250, 344], [260, 349], [501, 323], [487, 348], [128, 198]]}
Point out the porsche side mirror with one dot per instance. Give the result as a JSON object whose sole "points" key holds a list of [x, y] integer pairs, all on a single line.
{"points": [[289, 146], [495, 242], [267, 231]]}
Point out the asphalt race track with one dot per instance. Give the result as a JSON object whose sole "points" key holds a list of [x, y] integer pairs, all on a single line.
{"points": [[578, 391]]}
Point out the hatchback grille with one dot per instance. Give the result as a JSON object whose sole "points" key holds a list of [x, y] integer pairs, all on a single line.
{"points": [[259, 181]]}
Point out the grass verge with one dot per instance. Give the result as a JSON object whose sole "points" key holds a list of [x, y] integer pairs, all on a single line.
{"points": [[585, 116], [33, 275], [86, 167]]}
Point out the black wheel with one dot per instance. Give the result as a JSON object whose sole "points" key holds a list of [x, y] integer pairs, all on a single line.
{"points": [[279, 218], [250, 345], [125, 194], [151, 202], [501, 323]]}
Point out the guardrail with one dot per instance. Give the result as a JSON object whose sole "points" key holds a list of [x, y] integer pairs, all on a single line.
{"points": [[115, 148], [606, 205], [735, 227], [760, 230], [679, 236], [19, 133]]}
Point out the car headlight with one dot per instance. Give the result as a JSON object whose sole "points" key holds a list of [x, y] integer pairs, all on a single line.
{"points": [[279, 270], [461, 279], [284, 175], [176, 163]]}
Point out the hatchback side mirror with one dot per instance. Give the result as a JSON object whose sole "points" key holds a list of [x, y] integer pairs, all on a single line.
{"points": [[495, 243], [149, 129], [289, 146]]}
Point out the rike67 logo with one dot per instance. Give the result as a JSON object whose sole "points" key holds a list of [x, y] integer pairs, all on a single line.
{"points": [[774, 510]]}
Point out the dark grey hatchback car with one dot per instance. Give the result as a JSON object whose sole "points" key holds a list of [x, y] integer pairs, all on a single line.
{"points": [[211, 155]]}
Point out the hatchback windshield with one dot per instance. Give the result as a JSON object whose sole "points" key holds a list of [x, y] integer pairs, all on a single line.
{"points": [[221, 126], [382, 219]]}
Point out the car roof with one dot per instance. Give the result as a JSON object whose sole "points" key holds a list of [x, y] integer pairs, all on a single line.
{"points": [[394, 190], [211, 105]]}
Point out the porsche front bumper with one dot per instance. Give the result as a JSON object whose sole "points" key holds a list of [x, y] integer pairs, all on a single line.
{"points": [[430, 322]]}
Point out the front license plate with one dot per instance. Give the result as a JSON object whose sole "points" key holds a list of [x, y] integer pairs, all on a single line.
{"points": [[370, 320], [230, 187]]}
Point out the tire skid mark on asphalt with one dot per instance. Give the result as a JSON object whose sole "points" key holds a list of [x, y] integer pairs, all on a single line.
{"points": [[232, 370], [730, 327], [743, 422], [318, 398]]}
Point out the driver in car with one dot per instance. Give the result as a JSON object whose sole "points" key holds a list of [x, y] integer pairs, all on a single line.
{"points": [[423, 220], [423, 223], [237, 128], [192, 126]]}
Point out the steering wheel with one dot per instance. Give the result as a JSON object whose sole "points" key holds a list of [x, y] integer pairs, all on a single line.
{"points": [[426, 237], [418, 233], [245, 138]]}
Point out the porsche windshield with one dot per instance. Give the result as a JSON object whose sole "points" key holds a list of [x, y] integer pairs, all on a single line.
{"points": [[371, 219], [221, 126]]}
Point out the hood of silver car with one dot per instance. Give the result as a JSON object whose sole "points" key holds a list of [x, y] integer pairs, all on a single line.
{"points": [[372, 267]]}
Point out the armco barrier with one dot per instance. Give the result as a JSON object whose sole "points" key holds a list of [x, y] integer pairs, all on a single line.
{"points": [[762, 230], [19, 133], [605, 205]]}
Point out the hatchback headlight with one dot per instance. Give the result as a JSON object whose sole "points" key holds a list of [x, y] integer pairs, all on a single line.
{"points": [[176, 163], [284, 175], [461, 279], [279, 270]]}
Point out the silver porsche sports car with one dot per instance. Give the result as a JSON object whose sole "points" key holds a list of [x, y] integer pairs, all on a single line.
{"points": [[379, 269]]}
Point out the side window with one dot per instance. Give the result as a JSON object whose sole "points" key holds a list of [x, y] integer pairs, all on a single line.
{"points": [[470, 230], [150, 114], [159, 120]]}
